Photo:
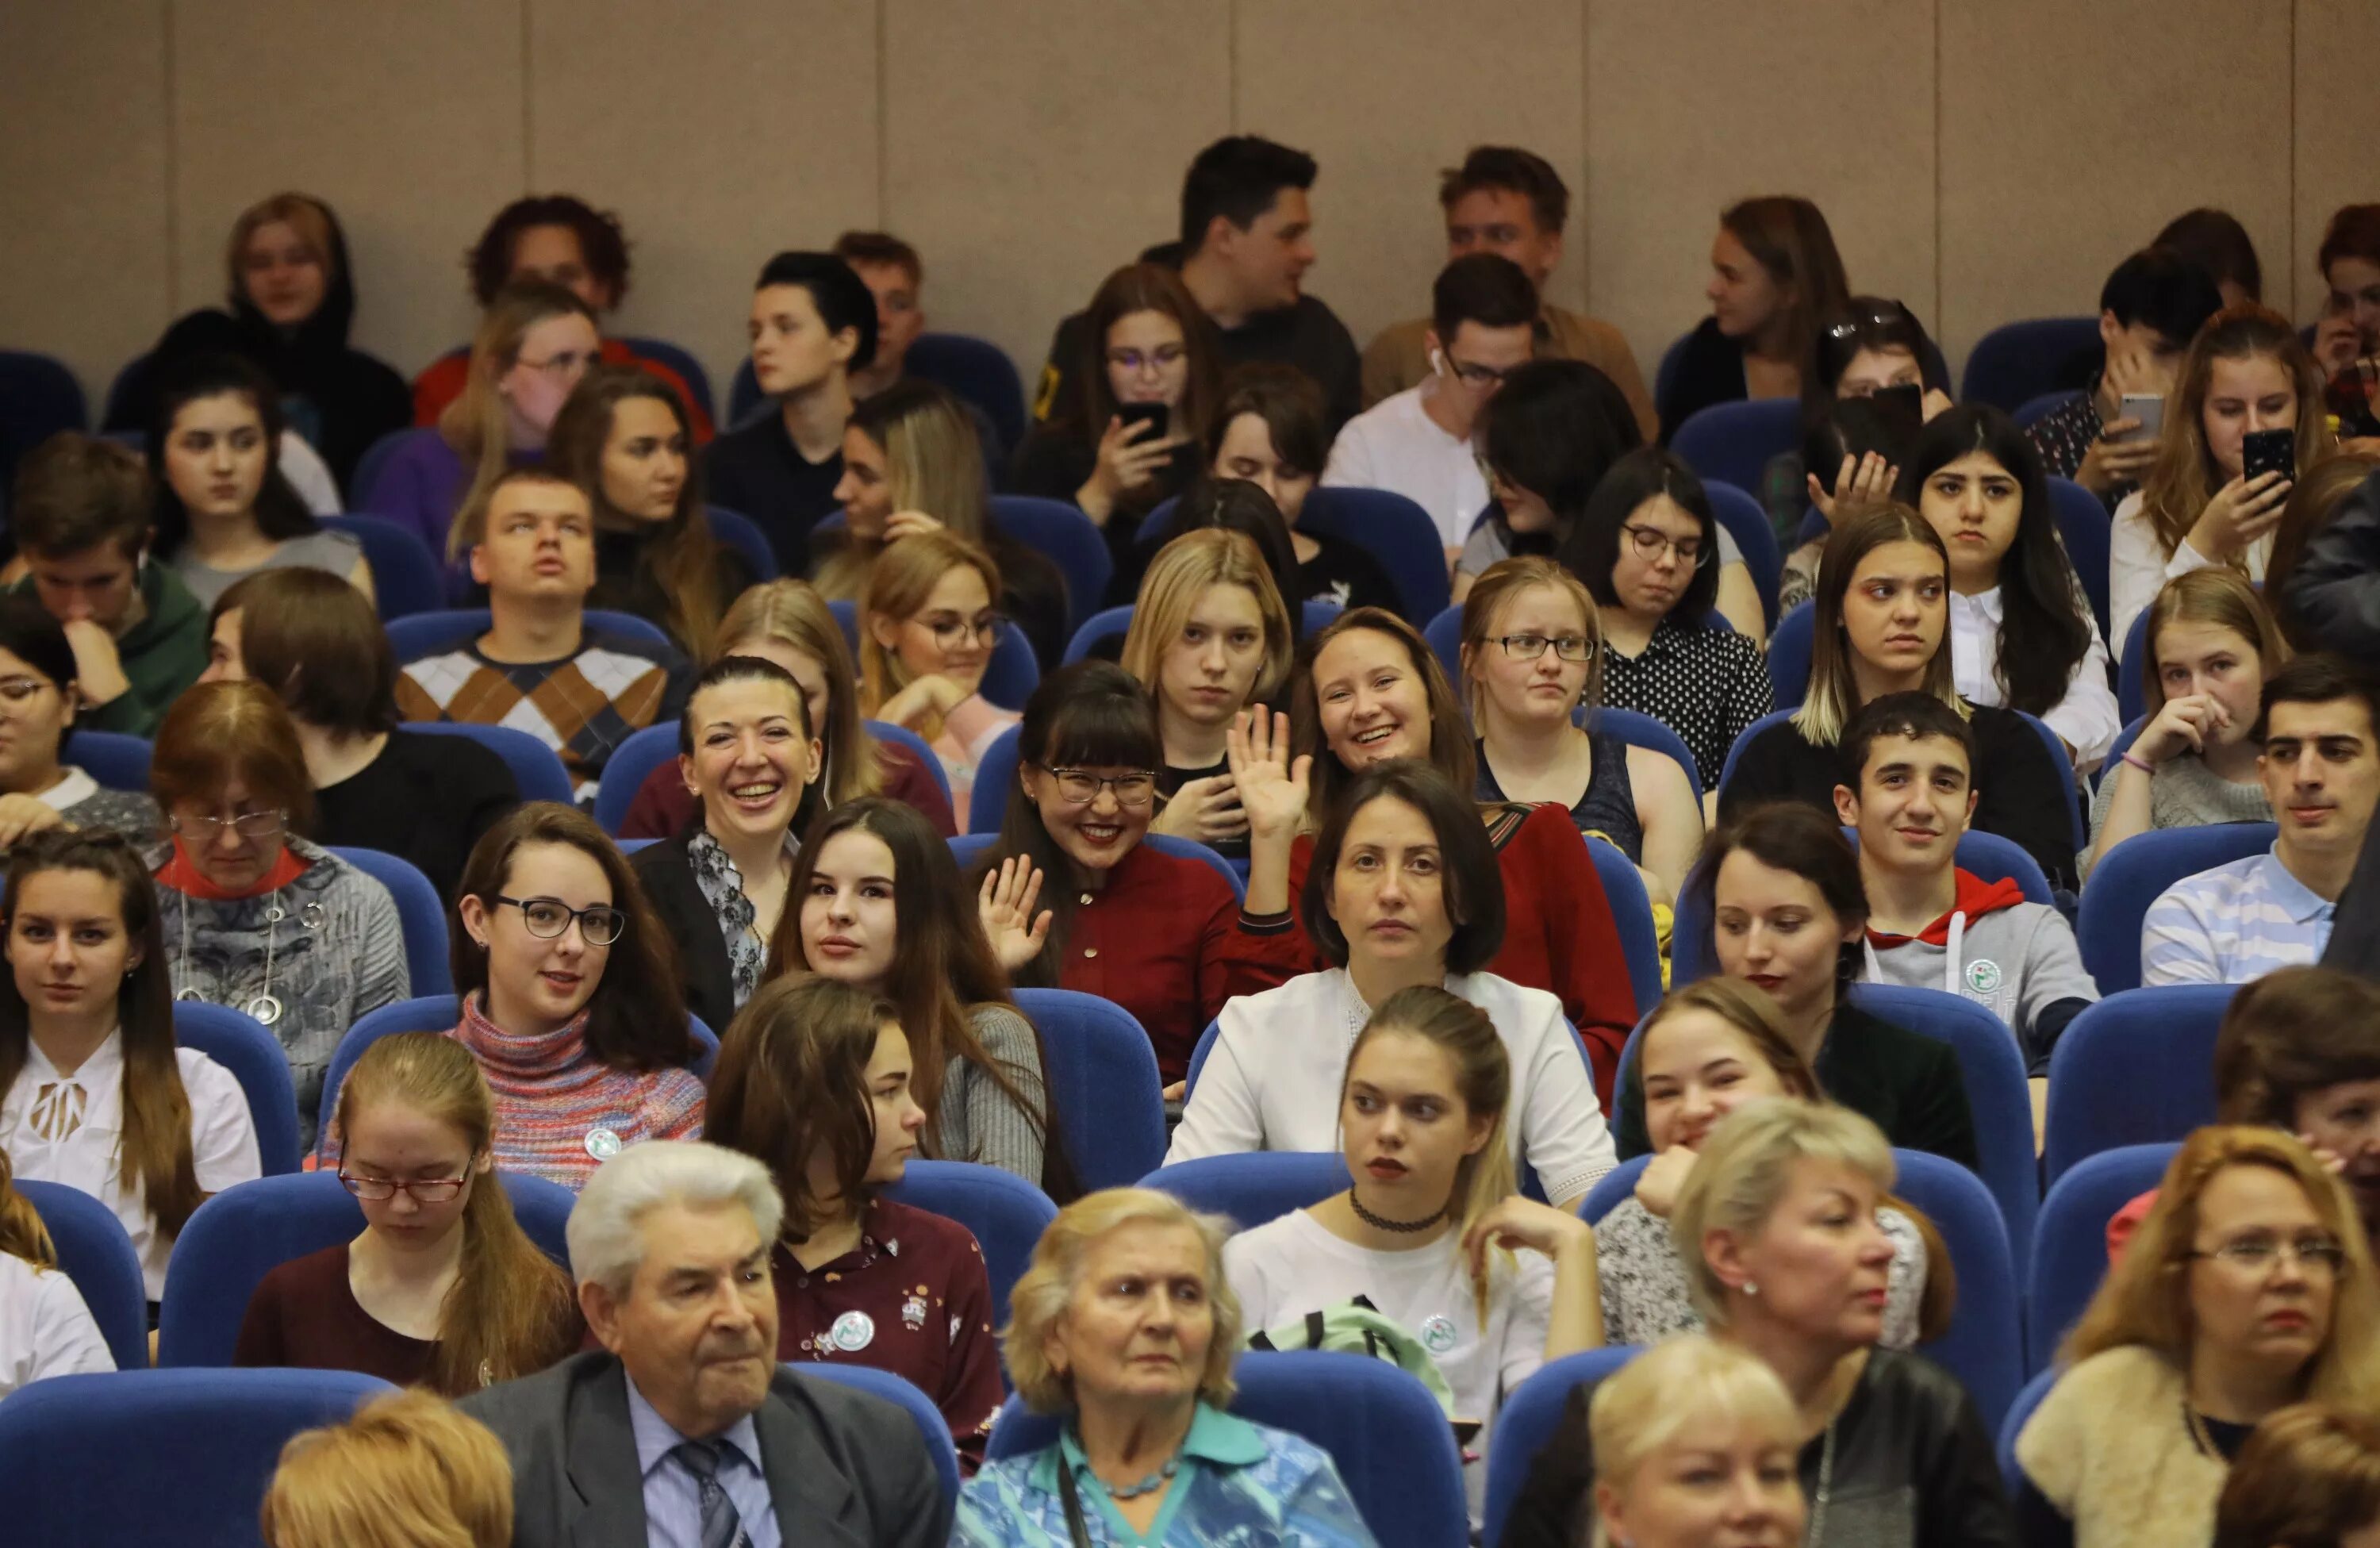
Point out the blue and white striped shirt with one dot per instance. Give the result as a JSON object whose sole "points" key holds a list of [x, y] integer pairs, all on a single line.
{"points": [[2234, 923]]}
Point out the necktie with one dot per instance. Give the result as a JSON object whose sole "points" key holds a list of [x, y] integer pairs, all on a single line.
{"points": [[721, 1527]]}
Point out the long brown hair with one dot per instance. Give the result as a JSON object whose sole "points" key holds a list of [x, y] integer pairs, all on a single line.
{"points": [[681, 552], [792, 614], [933, 462], [1789, 237], [2183, 476], [791, 1081], [22, 1234], [1833, 696], [1091, 402], [1450, 752], [510, 1312], [154, 1153], [473, 426]]}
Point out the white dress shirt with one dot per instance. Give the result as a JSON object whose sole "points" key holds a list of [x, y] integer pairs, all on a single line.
{"points": [[1395, 444], [45, 1329], [67, 1130], [2138, 564], [2087, 717]]}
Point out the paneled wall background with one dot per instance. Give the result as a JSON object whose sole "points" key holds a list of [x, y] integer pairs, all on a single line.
{"points": [[1982, 160]]}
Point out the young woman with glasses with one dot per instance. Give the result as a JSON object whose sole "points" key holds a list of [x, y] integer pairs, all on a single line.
{"points": [[585, 1059], [442, 1289], [927, 633]]}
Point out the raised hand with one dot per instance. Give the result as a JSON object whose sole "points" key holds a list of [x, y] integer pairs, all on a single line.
{"points": [[1272, 786], [1005, 906], [1860, 480]]}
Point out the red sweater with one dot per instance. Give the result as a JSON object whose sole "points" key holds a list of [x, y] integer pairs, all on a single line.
{"points": [[442, 380], [1559, 935]]}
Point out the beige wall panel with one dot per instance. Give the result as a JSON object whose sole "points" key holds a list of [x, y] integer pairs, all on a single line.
{"points": [[2338, 134], [2064, 147], [1032, 146], [406, 119], [1692, 105], [756, 149], [1411, 85], [83, 145]]}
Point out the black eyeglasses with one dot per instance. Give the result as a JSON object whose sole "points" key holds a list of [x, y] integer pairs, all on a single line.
{"points": [[1650, 545], [548, 918], [1529, 647], [426, 1190]]}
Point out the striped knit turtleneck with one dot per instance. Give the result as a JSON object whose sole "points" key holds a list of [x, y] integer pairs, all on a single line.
{"points": [[559, 1111]]}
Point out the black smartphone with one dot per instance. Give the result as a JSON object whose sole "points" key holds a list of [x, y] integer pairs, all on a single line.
{"points": [[2269, 451], [1908, 401], [1149, 414]]}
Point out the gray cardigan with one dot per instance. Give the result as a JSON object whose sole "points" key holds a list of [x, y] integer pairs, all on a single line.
{"points": [[978, 1122]]}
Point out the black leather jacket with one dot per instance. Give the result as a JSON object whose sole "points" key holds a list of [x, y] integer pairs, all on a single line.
{"points": [[2334, 591]]}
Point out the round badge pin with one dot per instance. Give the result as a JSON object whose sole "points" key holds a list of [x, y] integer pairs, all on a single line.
{"points": [[602, 1144], [853, 1332], [1437, 1335]]}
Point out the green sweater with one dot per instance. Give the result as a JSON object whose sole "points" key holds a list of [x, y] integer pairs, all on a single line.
{"points": [[162, 655]]}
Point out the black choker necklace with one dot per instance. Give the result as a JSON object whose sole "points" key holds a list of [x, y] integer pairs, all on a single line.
{"points": [[1378, 1223]]}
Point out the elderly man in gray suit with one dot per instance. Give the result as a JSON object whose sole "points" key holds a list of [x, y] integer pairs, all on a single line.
{"points": [[683, 1432]]}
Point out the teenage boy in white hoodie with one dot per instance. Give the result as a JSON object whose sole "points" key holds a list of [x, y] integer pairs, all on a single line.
{"points": [[1930, 924]]}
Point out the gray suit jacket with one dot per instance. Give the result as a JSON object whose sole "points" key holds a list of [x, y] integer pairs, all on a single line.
{"points": [[847, 1469]]}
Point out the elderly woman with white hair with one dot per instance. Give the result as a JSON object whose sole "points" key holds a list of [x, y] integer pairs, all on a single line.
{"points": [[1776, 1227], [1697, 1441], [1124, 1325]]}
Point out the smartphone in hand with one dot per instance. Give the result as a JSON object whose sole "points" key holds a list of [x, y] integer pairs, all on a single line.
{"points": [[2269, 451], [1150, 414], [2147, 407]]}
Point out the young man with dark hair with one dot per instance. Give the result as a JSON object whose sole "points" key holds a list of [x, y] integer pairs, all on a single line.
{"points": [[1508, 201], [2320, 762], [1245, 245], [896, 277], [1908, 761], [1483, 324], [813, 323], [81, 519], [540, 668], [2152, 306], [567, 241]]}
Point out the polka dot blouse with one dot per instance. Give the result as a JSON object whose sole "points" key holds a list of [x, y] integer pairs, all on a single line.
{"points": [[1705, 683]]}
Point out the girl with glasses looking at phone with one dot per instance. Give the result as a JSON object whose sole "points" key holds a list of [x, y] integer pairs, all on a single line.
{"points": [[255, 916], [585, 1059], [442, 1289], [927, 631]]}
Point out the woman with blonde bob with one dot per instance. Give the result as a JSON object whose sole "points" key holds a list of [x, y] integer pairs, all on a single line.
{"points": [[1697, 1441], [2308, 1478], [1785, 1259], [409, 1471], [927, 630], [1210, 636], [1126, 1326], [2247, 1288]]}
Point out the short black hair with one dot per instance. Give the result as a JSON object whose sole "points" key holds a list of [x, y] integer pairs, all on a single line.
{"points": [[2217, 242], [2164, 289], [2317, 677], [33, 637], [1238, 177], [1474, 887], [1914, 715], [1512, 170], [1487, 288], [1593, 550], [1555, 429], [842, 298]]}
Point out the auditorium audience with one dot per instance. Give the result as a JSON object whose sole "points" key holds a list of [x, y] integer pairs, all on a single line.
{"points": [[1209, 639], [623, 438], [2319, 761], [815, 1082], [1711, 1047], [1246, 240], [786, 621], [1781, 887], [314, 640], [406, 1470], [2326, 559], [812, 323], [1370, 690], [927, 633], [38, 699], [1267, 430], [442, 1289], [1401, 891], [262, 918], [1432, 1233], [554, 239], [878, 904], [1882, 626], [1509, 201], [1653, 555], [223, 511], [2196, 507], [2211, 646], [1125, 1327], [1694, 1441], [586, 1057], [534, 343], [1909, 792], [895, 275], [80, 523], [2248, 1287], [1774, 273], [1532, 656], [719, 885], [1875, 350], [542, 668], [2150, 309], [45, 1327], [1418, 443], [2309, 1473], [95, 1094], [669, 1245], [1786, 1260]]}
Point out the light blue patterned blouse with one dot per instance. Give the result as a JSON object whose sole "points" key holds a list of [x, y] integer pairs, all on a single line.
{"points": [[1240, 1486]]}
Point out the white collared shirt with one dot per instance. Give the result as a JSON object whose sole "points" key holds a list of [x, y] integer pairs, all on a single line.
{"points": [[45, 1329], [2087, 717], [1395, 444], [67, 1130]]}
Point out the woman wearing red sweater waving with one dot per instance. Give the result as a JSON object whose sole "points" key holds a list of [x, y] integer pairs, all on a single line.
{"points": [[1369, 691]]}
